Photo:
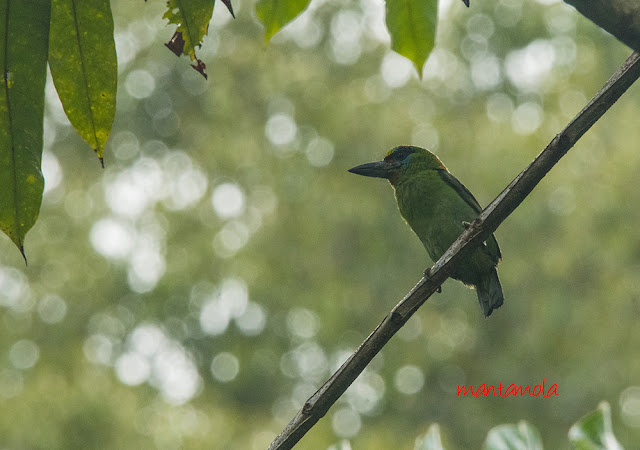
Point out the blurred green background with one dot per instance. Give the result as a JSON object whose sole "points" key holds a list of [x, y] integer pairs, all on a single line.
{"points": [[200, 288]]}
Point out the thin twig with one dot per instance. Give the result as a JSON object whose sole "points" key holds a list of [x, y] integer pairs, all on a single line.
{"points": [[492, 216]]}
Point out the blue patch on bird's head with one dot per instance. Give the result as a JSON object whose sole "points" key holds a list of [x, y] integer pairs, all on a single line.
{"points": [[408, 157], [400, 154]]}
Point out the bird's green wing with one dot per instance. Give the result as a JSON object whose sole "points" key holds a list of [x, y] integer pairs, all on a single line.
{"points": [[462, 191], [467, 196]]}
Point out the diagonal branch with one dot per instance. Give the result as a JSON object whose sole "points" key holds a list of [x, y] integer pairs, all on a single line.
{"points": [[492, 216]]}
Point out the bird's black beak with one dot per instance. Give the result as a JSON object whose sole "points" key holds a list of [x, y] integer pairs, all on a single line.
{"points": [[379, 169]]}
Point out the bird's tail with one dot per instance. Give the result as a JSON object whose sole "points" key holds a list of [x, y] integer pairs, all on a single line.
{"points": [[490, 293]]}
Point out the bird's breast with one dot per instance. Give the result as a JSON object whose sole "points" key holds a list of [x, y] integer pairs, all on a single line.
{"points": [[433, 210]]}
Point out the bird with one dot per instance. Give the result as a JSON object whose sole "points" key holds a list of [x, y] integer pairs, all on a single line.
{"points": [[438, 208]]}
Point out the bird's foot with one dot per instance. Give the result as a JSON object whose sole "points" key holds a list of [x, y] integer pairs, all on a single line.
{"points": [[466, 224], [427, 275]]}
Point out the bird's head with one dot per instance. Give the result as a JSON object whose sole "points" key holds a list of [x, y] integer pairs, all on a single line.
{"points": [[400, 161]]}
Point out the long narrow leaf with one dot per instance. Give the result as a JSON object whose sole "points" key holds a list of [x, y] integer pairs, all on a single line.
{"points": [[24, 41], [82, 57], [275, 14], [412, 25]]}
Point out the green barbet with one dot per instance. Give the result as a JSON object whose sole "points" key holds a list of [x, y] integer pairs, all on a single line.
{"points": [[438, 208]]}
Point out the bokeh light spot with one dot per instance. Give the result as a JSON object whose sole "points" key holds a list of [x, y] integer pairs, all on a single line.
{"points": [[147, 339], [52, 309], [139, 84], [396, 70], [346, 30], [225, 367], [233, 236], [499, 107], [562, 201], [52, 172], [346, 422], [214, 318], [253, 320], [188, 183], [527, 118], [98, 349], [175, 374], [281, 129], [166, 122], [530, 66], [24, 354], [305, 31], [14, 289], [320, 152], [234, 296], [112, 238], [308, 360], [409, 379], [485, 72], [302, 323], [146, 266], [136, 189], [125, 145], [480, 24], [425, 135], [365, 393], [132, 368], [228, 200], [264, 199]]}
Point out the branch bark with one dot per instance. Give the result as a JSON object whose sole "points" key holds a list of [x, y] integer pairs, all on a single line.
{"points": [[621, 18], [492, 216]]}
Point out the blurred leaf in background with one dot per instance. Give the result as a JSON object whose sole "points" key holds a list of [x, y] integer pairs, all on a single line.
{"points": [[521, 436], [594, 431], [200, 288]]}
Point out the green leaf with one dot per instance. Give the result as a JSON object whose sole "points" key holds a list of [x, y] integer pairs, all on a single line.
{"points": [[594, 431], [192, 18], [23, 55], [430, 440], [412, 25], [82, 57], [275, 14], [522, 436]]}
